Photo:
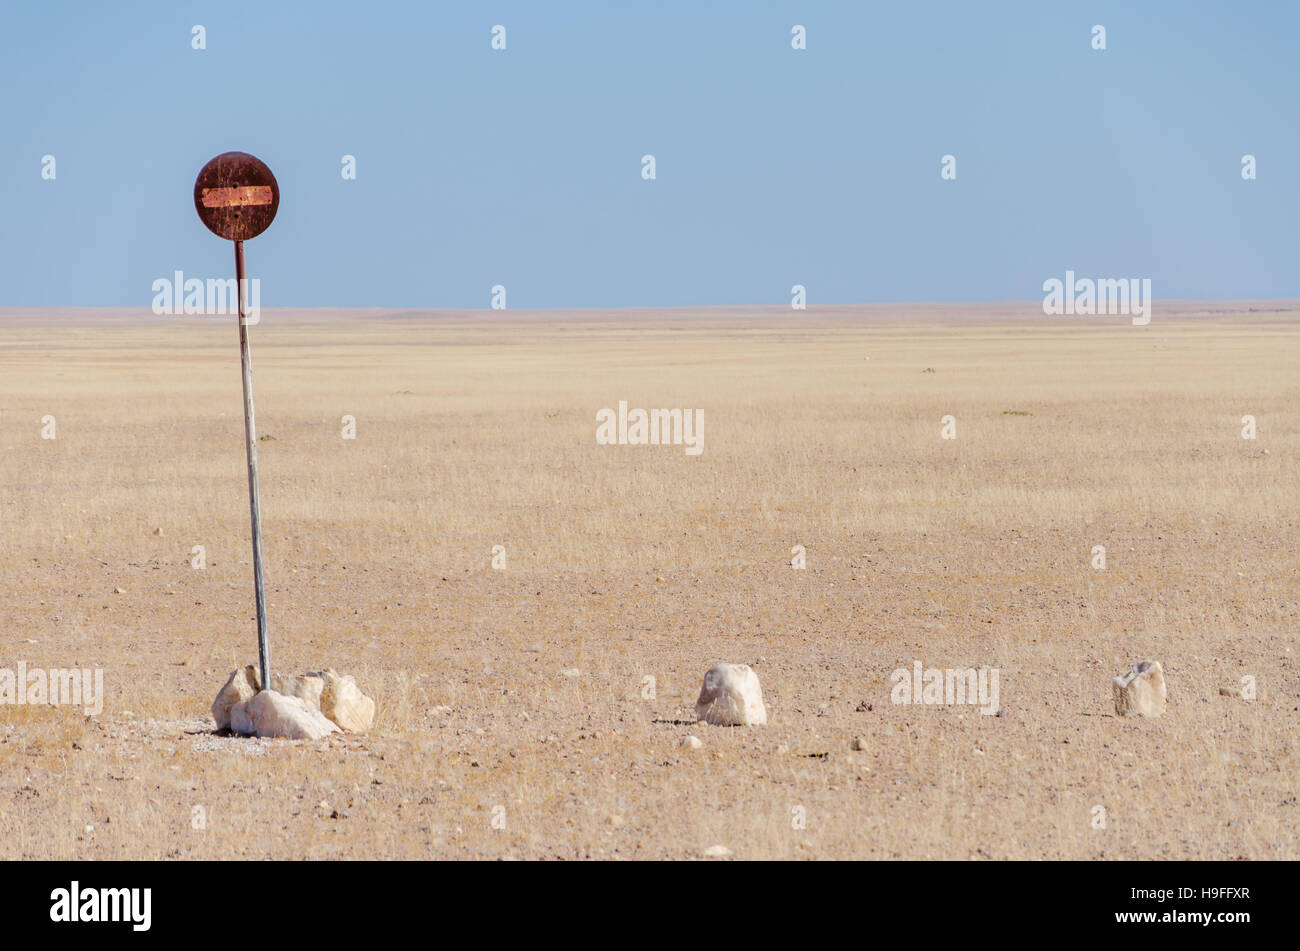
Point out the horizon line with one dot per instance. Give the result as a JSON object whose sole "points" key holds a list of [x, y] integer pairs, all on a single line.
{"points": [[784, 308]]}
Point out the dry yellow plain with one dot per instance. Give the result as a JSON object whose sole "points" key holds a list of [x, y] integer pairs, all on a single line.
{"points": [[821, 429]]}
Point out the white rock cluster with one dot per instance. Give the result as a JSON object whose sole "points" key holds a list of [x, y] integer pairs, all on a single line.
{"points": [[307, 707], [731, 696], [1141, 692]]}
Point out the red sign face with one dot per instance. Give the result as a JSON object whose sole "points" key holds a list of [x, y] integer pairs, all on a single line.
{"points": [[236, 196]]}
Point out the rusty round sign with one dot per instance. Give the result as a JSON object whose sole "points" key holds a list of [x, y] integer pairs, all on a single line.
{"points": [[236, 196]]}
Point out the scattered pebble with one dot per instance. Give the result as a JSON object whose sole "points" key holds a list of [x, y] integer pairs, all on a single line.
{"points": [[692, 742]]}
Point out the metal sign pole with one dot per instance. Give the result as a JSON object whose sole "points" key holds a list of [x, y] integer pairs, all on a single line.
{"points": [[254, 499]]}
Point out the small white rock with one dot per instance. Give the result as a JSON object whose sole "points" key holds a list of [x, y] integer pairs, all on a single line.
{"points": [[273, 714], [1141, 691], [717, 852], [731, 696], [343, 702], [307, 688], [692, 742], [242, 685]]}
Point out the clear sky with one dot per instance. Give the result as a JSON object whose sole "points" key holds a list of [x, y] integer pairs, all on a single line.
{"points": [[774, 167]]}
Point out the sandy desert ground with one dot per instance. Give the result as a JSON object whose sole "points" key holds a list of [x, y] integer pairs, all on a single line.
{"points": [[822, 429]]}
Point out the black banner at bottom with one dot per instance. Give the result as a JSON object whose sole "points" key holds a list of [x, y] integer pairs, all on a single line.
{"points": [[182, 900]]}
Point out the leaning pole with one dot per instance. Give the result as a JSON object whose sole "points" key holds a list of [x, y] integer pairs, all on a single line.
{"points": [[237, 197]]}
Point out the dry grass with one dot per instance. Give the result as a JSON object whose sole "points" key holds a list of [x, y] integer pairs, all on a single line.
{"points": [[820, 429]]}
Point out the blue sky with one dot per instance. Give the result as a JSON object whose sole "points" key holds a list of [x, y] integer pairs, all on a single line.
{"points": [[774, 167]]}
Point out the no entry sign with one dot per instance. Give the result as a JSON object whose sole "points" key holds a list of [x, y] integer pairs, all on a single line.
{"points": [[237, 197]]}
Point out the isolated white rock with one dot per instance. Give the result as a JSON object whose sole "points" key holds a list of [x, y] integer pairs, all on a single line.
{"points": [[343, 702], [731, 696], [307, 688], [691, 742], [1141, 691], [273, 714], [241, 686]]}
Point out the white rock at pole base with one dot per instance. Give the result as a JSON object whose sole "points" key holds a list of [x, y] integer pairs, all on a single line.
{"points": [[273, 714], [242, 685], [1141, 691], [307, 688], [731, 696], [343, 702]]}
